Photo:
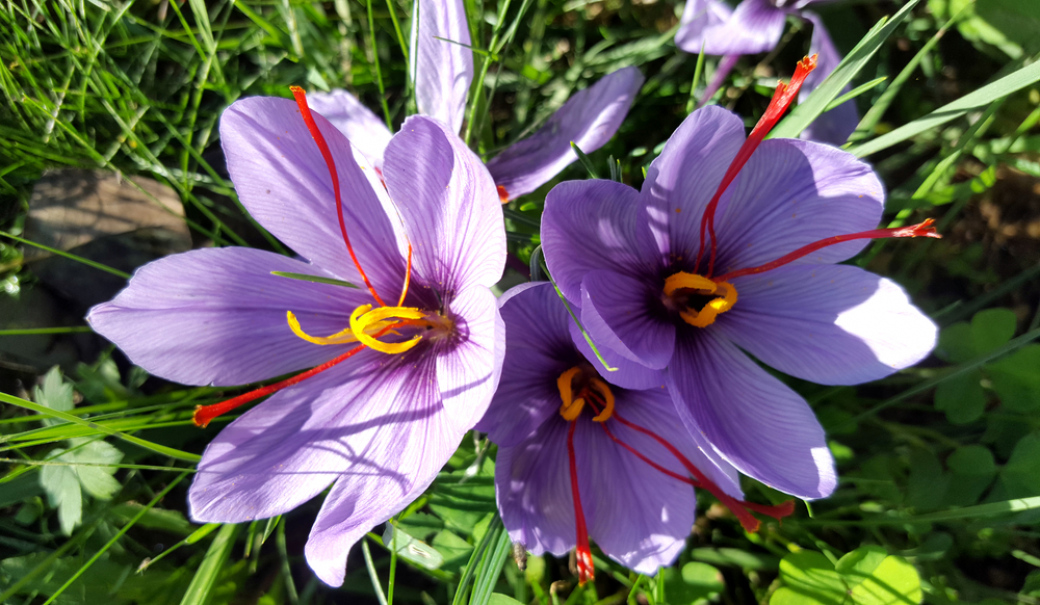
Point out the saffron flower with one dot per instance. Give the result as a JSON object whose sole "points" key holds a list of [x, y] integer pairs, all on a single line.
{"points": [[755, 26], [730, 249], [442, 71], [582, 458], [411, 358]]}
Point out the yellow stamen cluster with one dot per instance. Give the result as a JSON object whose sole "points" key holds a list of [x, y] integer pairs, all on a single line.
{"points": [[725, 293], [572, 406], [366, 324]]}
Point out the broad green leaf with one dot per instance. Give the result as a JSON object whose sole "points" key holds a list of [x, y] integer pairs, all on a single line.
{"points": [[735, 557], [972, 471], [501, 599], [453, 550], [78, 472], [54, 393], [812, 575], [956, 343], [893, 582], [1020, 477], [857, 565], [991, 328], [1016, 379], [411, 549], [961, 398], [63, 493], [928, 483]]}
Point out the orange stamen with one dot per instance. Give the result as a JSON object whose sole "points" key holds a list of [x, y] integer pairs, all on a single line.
{"points": [[204, 414], [922, 229], [305, 111], [584, 552], [407, 278], [782, 99]]}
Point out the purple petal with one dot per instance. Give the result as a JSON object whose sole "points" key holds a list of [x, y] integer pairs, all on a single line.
{"points": [[373, 424], [218, 316], [469, 372], [282, 180], [831, 324], [698, 17], [756, 423], [538, 350], [589, 119], [684, 177], [755, 26], [449, 205], [593, 225], [793, 193], [836, 125], [627, 374], [366, 132], [441, 69], [619, 312]]}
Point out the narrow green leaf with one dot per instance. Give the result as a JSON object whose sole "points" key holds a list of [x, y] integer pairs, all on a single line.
{"points": [[975, 101], [855, 92], [69, 255], [216, 556], [314, 278], [585, 161], [584, 333]]}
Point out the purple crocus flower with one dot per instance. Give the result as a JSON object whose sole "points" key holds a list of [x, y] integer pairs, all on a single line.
{"points": [[580, 458], [726, 249], [755, 26], [411, 361], [442, 70]]}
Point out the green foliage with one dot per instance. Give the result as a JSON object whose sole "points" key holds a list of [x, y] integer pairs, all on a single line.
{"points": [[865, 576]]}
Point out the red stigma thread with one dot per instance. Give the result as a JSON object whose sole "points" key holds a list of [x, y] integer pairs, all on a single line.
{"points": [[782, 99], [503, 195], [305, 111], [923, 229], [584, 552], [204, 414], [740, 509]]}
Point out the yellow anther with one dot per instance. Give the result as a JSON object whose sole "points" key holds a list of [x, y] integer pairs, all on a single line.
{"points": [[365, 318], [341, 337], [608, 398], [724, 291]]}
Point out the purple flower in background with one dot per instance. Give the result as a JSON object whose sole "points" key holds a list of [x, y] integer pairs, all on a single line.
{"points": [[581, 458], [442, 70], [411, 361], [755, 26], [728, 248]]}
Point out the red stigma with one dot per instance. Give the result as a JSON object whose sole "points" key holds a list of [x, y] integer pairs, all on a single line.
{"points": [[323, 147], [204, 414], [781, 101], [586, 571], [922, 229], [503, 195]]}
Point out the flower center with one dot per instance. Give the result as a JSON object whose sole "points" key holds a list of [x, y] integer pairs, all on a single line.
{"points": [[698, 299], [578, 387]]}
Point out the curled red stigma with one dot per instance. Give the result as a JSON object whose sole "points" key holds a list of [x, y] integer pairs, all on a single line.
{"points": [[305, 111], [584, 552], [922, 229], [204, 414], [782, 99]]}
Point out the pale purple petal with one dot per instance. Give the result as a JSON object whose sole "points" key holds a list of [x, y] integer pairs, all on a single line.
{"points": [[373, 424], [449, 205], [684, 177], [592, 225], [753, 420], [625, 314], [627, 374], [442, 63], [538, 350], [793, 193], [699, 16], [283, 181], [366, 131], [836, 125], [393, 458], [755, 26], [589, 119], [218, 316], [468, 373], [831, 324]]}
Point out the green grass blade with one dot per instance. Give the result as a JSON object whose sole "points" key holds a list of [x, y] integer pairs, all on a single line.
{"points": [[1026, 76], [148, 445], [490, 568], [314, 278], [831, 88], [69, 255], [217, 555]]}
